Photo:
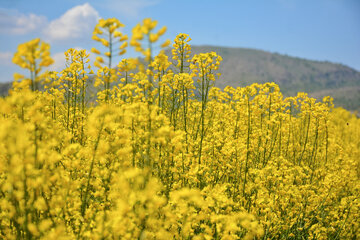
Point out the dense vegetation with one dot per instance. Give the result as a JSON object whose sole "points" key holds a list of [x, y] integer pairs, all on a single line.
{"points": [[163, 154], [243, 67]]}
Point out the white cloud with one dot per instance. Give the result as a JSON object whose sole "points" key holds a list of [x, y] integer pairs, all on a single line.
{"points": [[15, 23], [77, 22], [59, 62], [5, 58], [129, 8]]}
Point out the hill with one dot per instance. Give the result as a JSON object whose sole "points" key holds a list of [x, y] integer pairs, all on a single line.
{"points": [[4, 88], [242, 66]]}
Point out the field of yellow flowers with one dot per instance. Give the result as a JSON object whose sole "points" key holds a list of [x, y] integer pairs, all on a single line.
{"points": [[164, 154]]}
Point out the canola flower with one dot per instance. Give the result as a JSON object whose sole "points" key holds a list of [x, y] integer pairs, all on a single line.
{"points": [[164, 154], [32, 55], [115, 43]]}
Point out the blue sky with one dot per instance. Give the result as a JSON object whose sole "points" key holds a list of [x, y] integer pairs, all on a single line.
{"points": [[313, 29]]}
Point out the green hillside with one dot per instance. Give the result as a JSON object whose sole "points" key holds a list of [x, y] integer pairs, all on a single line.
{"points": [[241, 67]]}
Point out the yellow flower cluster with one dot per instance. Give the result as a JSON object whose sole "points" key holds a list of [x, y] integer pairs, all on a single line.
{"points": [[115, 43], [145, 30], [32, 55], [163, 154], [182, 50]]}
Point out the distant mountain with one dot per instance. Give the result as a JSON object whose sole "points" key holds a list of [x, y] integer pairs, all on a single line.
{"points": [[4, 89], [242, 67]]}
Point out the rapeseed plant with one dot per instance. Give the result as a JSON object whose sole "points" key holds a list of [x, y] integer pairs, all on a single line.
{"points": [[164, 154], [32, 55]]}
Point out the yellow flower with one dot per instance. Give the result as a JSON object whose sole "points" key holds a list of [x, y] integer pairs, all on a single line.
{"points": [[162, 31], [28, 54], [166, 43], [94, 50]]}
